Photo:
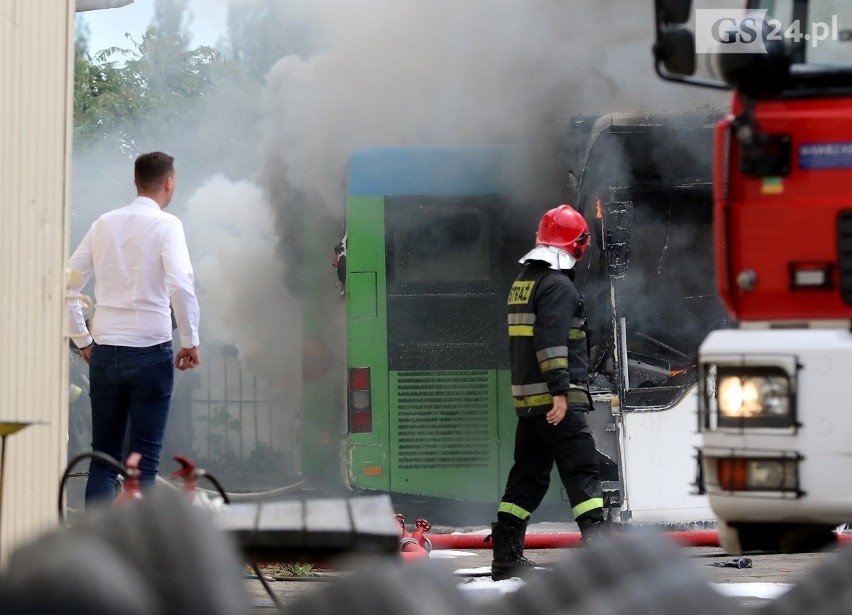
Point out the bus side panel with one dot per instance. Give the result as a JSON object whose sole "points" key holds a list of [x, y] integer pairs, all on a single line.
{"points": [[366, 454]]}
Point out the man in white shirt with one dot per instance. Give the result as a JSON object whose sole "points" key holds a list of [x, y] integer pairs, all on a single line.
{"points": [[140, 261]]}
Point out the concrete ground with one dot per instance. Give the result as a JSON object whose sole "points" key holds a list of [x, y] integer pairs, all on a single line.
{"points": [[769, 576]]}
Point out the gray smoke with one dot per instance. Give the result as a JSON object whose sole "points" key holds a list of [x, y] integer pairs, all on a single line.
{"points": [[407, 72], [372, 73]]}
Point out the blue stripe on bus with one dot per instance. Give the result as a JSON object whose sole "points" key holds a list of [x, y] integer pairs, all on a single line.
{"points": [[414, 171]]}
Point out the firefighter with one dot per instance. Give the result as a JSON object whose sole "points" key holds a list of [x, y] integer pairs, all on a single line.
{"points": [[549, 355]]}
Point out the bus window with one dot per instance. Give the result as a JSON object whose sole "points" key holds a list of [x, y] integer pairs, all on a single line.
{"points": [[445, 299], [437, 244]]}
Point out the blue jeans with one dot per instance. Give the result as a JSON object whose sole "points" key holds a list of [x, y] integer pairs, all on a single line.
{"points": [[128, 384]]}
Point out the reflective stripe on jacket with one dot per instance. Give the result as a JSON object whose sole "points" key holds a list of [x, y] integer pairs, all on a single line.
{"points": [[548, 340]]}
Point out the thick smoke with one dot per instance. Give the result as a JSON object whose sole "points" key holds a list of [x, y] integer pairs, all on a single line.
{"points": [[375, 73], [406, 72], [239, 277]]}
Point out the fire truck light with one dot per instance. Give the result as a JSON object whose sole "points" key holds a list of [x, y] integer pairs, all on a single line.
{"points": [[811, 276], [753, 396], [758, 474]]}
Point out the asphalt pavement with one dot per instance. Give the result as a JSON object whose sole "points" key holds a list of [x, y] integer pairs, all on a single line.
{"points": [[768, 576]]}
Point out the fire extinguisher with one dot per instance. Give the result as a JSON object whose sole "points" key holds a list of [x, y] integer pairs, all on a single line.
{"points": [[190, 474], [413, 546], [132, 490]]}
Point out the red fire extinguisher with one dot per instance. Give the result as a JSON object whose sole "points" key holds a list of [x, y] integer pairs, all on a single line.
{"points": [[131, 489], [413, 546], [190, 474]]}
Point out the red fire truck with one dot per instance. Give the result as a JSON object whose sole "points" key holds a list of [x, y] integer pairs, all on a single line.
{"points": [[775, 417]]}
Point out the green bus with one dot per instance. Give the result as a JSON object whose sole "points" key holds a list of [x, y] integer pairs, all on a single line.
{"points": [[430, 247]]}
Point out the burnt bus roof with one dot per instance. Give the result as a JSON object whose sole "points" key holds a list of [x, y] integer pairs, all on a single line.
{"points": [[641, 152]]}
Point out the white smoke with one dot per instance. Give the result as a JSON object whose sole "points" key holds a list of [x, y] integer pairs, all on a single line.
{"points": [[399, 72], [239, 278]]}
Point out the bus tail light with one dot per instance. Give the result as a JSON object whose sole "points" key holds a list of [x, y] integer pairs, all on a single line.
{"points": [[360, 405]]}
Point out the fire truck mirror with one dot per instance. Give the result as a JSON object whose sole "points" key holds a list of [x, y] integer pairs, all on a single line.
{"points": [[674, 11], [617, 230]]}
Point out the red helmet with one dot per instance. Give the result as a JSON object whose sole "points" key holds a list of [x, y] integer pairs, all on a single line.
{"points": [[563, 227]]}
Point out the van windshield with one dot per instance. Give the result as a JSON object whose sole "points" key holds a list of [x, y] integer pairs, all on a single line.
{"points": [[819, 33]]}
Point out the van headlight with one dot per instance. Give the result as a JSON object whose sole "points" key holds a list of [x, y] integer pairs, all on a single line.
{"points": [[755, 397]]}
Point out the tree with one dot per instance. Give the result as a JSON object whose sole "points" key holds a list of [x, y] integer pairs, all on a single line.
{"points": [[172, 18], [122, 94], [264, 31], [197, 104]]}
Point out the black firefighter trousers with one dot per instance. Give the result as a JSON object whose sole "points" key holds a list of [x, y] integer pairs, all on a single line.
{"points": [[538, 445]]}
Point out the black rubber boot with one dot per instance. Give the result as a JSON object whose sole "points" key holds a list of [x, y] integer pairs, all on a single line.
{"points": [[507, 543], [593, 526]]}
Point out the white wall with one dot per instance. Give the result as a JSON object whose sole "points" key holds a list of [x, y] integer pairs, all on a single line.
{"points": [[36, 76]]}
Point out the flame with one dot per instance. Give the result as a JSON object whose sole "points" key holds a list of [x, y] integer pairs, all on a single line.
{"points": [[678, 372], [598, 208]]}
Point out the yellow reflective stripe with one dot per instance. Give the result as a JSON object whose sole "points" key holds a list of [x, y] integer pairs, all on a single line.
{"points": [[520, 330], [576, 334], [546, 399], [514, 510], [578, 397], [550, 364], [75, 392], [530, 401], [584, 507]]}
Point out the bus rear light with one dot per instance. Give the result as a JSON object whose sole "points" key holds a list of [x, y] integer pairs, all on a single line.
{"points": [[360, 405], [359, 379]]}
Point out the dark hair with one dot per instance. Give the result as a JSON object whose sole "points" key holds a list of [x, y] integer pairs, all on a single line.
{"points": [[151, 169]]}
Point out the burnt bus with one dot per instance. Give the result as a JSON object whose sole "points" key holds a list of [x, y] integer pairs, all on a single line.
{"points": [[433, 235]]}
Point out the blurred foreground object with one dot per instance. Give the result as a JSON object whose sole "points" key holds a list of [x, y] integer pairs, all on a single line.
{"points": [[153, 556], [639, 573]]}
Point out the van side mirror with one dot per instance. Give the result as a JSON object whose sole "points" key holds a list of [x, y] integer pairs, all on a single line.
{"points": [[617, 226], [673, 11], [675, 48], [760, 75]]}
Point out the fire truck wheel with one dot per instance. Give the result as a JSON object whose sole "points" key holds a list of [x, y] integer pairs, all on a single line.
{"points": [[807, 538]]}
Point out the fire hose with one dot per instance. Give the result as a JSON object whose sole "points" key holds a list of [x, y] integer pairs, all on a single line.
{"points": [[556, 540]]}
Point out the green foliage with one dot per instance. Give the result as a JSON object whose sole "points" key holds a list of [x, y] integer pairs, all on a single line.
{"points": [[280, 569], [122, 93]]}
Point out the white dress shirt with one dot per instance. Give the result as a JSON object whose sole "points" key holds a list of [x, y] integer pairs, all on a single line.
{"points": [[141, 265]]}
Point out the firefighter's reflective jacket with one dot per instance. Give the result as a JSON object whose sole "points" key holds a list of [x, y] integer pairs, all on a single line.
{"points": [[548, 340]]}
